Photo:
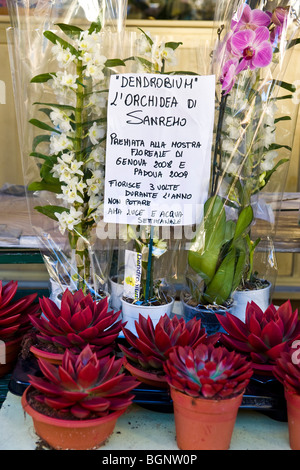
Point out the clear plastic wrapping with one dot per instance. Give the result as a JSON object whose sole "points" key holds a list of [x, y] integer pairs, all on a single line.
{"points": [[62, 55], [255, 47]]}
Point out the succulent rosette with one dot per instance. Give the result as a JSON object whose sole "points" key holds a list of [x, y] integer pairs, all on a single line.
{"points": [[207, 371], [15, 314], [83, 386], [264, 335], [287, 370], [152, 345], [79, 321]]}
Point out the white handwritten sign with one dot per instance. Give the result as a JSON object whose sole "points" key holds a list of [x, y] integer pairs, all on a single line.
{"points": [[158, 157]]}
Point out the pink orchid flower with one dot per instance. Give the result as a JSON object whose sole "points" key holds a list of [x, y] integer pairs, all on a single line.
{"points": [[252, 47], [250, 19], [279, 19], [230, 70]]}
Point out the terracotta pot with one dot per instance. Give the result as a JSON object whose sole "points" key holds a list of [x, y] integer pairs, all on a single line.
{"points": [[8, 355], [293, 413], [204, 424], [146, 376], [47, 356], [63, 434]]}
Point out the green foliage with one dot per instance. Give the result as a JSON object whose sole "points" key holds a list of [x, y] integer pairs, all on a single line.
{"points": [[219, 251]]}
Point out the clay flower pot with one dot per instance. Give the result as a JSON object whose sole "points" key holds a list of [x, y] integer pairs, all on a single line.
{"points": [[64, 434], [293, 412], [202, 423], [9, 355], [145, 376]]}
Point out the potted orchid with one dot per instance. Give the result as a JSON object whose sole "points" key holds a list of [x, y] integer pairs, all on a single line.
{"points": [[71, 148], [153, 56], [249, 65]]}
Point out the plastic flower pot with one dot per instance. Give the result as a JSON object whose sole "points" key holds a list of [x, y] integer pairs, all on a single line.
{"points": [[9, 355], [147, 377], [116, 292], [130, 313], [293, 413], [207, 315], [204, 424], [241, 298], [63, 434]]}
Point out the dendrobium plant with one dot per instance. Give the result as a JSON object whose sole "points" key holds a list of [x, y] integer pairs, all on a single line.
{"points": [[153, 56], [74, 166]]}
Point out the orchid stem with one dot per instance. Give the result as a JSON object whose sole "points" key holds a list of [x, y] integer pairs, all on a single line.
{"points": [[149, 265]]}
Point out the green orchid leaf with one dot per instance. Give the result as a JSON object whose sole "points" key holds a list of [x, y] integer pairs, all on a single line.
{"points": [[95, 27], [283, 118], [40, 155], [42, 125], [269, 173], [46, 174], [173, 45], [220, 288], [147, 36], [293, 43], [204, 254], [49, 211], [114, 63], [52, 37], [43, 77], [287, 86], [43, 186], [241, 259], [56, 105], [71, 31], [243, 222], [39, 139]]}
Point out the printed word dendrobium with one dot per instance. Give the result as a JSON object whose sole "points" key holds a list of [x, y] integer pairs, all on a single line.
{"points": [[74, 166]]}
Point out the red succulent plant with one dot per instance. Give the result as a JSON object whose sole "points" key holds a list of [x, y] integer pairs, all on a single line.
{"points": [[151, 347], [15, 315], [287, 370], [84, 386], [207, 371], [79, 321], [263, 335]]}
